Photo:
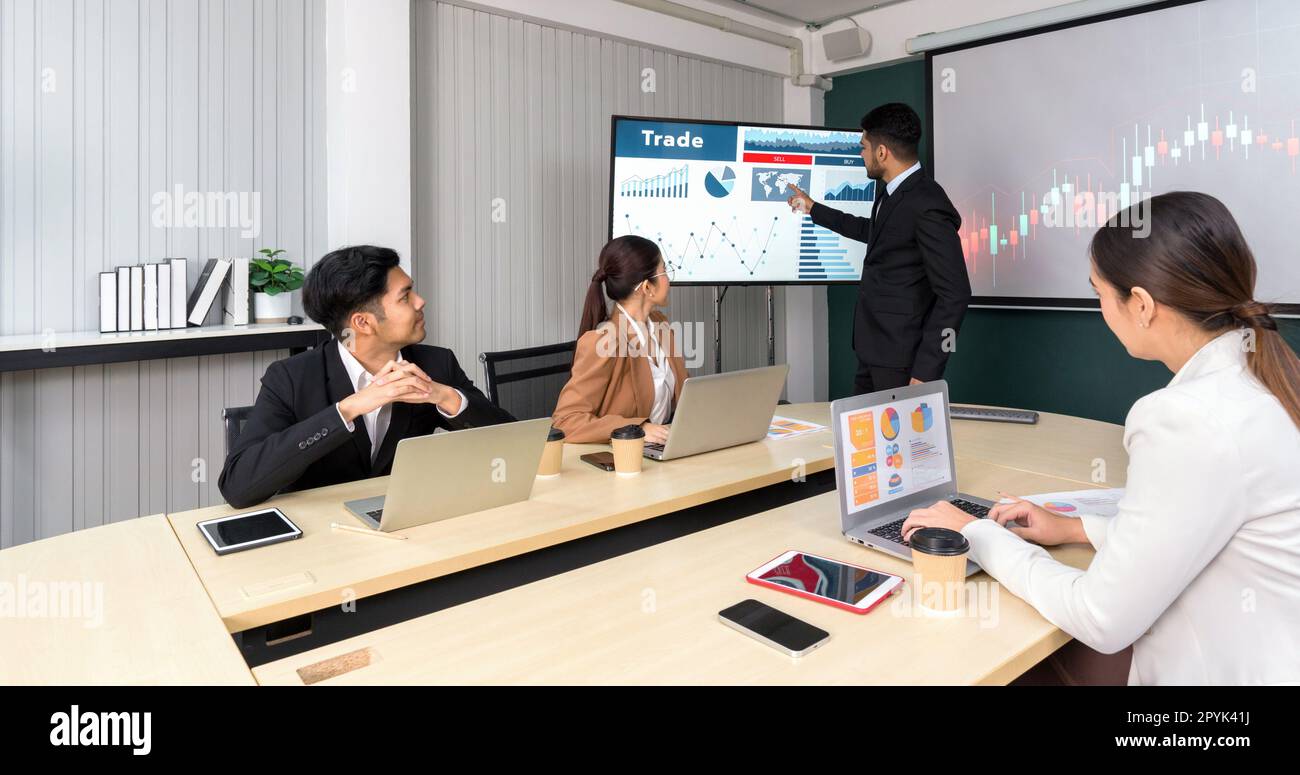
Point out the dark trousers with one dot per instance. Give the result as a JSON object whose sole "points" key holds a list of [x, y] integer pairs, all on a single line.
{"points": [[869, 379], [1074, 664]]}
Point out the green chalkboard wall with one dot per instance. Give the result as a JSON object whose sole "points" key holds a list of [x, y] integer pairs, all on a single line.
{"points": [[1065, 362]]}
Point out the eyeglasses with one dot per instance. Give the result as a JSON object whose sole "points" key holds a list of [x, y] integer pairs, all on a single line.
{"points": [[668, 272]]}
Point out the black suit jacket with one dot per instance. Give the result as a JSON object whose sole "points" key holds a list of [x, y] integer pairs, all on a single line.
{"points": [[296, 440], [914, 283]]}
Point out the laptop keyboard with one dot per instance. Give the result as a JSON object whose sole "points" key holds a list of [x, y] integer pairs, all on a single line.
{"points": [[656, 447], [376, 514], [973, 509], [893, 531]]}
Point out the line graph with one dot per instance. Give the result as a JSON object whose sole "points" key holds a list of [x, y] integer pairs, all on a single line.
{"points": [[700, 247]]}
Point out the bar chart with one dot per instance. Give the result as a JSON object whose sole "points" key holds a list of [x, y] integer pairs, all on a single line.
{"points": [[673, 184]]}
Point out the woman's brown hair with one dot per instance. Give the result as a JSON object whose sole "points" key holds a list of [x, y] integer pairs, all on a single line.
{"points": [[625, 262], [1195, 260]]}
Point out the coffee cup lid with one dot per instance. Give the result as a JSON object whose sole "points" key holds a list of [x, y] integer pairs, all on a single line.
{"points": [[628, 432], [555, 435], [939, 541]]}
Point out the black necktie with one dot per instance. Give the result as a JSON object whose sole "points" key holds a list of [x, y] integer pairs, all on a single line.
{"points": [[884, 194], [877, 207]]}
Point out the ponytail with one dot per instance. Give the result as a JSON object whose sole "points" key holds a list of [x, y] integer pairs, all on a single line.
{"points": [[594, 311], [1271, 359], [624, 263]]}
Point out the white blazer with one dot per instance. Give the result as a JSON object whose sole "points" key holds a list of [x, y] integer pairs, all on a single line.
{"points": [[1200, 569]]}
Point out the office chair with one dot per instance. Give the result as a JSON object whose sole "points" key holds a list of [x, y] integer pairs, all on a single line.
{"points": [[527, 382], [234, 417]]}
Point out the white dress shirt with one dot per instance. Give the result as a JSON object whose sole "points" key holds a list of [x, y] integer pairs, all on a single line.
{"points": [[661, 372], [893, 185], [376, 420], [1200, 569]]}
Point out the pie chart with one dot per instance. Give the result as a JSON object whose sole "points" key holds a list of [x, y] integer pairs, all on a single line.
{"points": [[889, 424], [1061, 507], [922, 418], [719, 181]]}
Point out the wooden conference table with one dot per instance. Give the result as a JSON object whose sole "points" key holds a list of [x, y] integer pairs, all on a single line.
{"points": [[117, 604], [327, 567], [650, 617]]}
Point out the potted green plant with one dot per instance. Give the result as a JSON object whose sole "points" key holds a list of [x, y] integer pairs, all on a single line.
{"points": [[273, 281]]}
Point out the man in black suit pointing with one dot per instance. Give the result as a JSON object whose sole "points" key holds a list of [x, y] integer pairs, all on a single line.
{"points": [[335, 413], [914, 288]]}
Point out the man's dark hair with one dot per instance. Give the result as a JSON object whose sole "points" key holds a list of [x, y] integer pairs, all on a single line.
{"points": [[896, 126], [345, 281]]}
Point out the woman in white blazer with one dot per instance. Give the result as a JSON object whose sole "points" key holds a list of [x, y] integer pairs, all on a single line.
{"points": [[1200, 569]]}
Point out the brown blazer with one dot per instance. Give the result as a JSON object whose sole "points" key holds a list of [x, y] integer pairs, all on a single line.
{"points": [[610, 386]]}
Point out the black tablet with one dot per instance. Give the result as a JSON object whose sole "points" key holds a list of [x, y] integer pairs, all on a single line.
{"points": [[248, 531]]}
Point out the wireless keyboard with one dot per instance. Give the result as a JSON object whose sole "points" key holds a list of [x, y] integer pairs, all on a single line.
{"points": [[1022, 416]]}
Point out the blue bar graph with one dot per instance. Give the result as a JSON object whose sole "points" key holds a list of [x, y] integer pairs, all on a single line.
{"points": [[822, 255]]}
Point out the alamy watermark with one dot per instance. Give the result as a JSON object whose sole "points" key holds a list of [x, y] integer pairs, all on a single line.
{"points": [[621, 340], [979, 600], [179, 208], [76, 727], [34, 599], [1092, 209]]}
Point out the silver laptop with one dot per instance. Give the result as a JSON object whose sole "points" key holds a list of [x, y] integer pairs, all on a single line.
{"points": [[893, 453], [722, 410], [445, 475]]}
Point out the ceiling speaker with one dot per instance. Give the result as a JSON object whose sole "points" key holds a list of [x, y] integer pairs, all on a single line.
{"points": [[846, 44]]}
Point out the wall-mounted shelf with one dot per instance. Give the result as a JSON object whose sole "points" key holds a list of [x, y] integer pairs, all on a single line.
{"points": [[80, 348]]}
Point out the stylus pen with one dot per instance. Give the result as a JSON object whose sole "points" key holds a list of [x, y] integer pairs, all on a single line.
{"points": [[366, 531]]}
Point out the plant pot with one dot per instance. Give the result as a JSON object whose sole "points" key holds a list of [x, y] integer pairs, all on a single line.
{"points": [[272, 309]]}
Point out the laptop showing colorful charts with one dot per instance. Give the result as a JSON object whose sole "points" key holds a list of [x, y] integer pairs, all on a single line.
{"points": [[893, 453]]}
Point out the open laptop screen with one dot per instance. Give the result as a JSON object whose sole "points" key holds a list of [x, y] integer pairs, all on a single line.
{"points": [[894, 449]]}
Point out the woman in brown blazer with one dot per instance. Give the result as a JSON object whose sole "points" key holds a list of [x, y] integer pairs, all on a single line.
{"points": [[628, 368]]}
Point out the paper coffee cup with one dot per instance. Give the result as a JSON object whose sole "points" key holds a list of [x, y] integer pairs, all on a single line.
{"points": [[629, 444], [552, 454], [939, 559]]}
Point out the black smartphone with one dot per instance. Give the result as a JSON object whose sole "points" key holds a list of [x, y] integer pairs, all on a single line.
{"points": [[602, 460], [777, 629]]}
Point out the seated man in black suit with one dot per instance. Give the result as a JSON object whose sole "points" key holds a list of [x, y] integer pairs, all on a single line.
{"points": [[336, 413], [914, 288]]}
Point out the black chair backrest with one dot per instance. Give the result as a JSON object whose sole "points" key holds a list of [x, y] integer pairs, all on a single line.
{"points": [[234, 417], [527, 382]]}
